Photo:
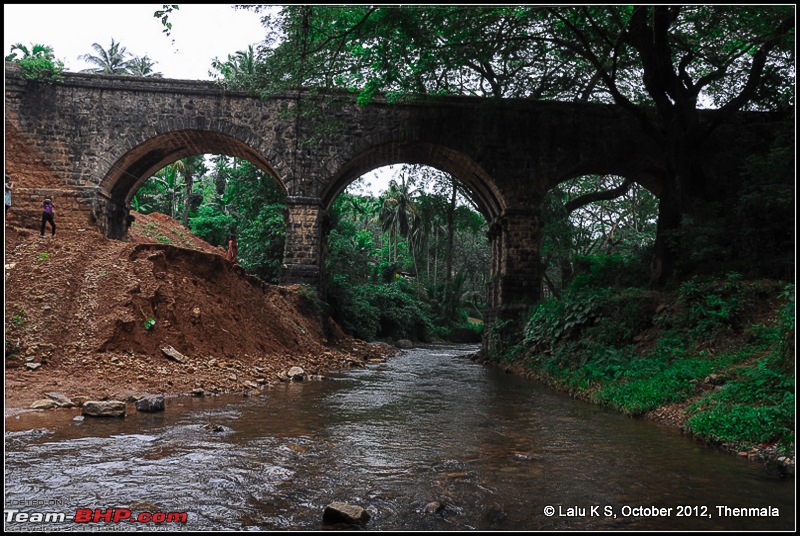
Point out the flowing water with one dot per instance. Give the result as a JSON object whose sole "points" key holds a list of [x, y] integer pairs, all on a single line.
{"points": [[429, 440]]}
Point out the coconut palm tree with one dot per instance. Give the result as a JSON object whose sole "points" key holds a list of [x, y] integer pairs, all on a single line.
{"points": [[400, 218], [111, 61], [143, 66], [36, 51], [238, 71]]}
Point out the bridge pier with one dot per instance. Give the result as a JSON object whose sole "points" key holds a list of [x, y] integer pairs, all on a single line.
{"points": [[112, 216], [515, 279], [303, 255]]}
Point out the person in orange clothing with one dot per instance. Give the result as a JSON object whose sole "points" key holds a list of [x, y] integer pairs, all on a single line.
{"points": [[233, 250]]}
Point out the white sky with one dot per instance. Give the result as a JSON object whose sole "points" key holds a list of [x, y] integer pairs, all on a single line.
{"points": [[200, 33]]}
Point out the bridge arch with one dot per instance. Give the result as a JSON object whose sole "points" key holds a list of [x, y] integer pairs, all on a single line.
{"points": [[485, 193], [139, 162]]}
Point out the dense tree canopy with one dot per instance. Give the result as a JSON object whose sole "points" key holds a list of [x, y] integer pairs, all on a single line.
{"points": [[667, 55]]}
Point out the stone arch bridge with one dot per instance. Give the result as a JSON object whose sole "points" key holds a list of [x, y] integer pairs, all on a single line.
{"points": [[91, 141]]}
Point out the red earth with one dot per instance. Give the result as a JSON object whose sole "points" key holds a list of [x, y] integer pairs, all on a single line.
{"points": [[77, 307]]}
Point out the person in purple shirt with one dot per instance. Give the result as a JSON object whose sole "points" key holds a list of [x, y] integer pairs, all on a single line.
{"points": [[47, 215]]}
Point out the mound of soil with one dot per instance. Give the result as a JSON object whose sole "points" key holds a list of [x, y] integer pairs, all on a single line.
{"points": [[78, 305]]}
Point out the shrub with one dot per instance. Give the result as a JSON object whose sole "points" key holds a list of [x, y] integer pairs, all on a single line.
{"points": [[756, 407], [603, 271], [708, 306], [41, 69]]}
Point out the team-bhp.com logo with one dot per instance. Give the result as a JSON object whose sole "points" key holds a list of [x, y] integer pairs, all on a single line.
{"points": [[87, 515]]}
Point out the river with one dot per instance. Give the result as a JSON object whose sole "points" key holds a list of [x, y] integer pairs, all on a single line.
{"points": [[429, 440]]}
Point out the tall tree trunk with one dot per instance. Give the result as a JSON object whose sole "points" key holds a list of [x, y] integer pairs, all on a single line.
{"points": [[451, 212], [189, 180], [436, 257], [683, 195]]}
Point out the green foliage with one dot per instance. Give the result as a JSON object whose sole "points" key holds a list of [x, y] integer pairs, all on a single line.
{"points": [[43, 256], [38, 63], [612, 270], [560, 53], [381, 310], [622, 315], [581, 365], [655, 383], [386, 271], [599, 231], [589, 352], [603, 315], [553, 319], [212, 225], [502, 337], [164, 15], [235, 198], [785, 324], [261, 242], [170, 190], [149, 323], [240, 71], [117, 60], [352, 309], [44, 70], [19, 318], [351, 250], [254, 200], [757, 406], [401, 314], [709, 306]]}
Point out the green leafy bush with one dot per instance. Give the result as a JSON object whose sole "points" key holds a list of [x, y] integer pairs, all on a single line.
{"points": [[708, 306], [41, 69], [756, 407], [379, 310], [604, 271], [212, 225], [606, 315]]}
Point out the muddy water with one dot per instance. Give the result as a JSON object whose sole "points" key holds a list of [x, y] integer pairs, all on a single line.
{"points": [[494, 451]]}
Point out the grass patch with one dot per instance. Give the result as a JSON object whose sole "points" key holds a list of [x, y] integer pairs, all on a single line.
{"points": [[590, 344], [756, 406]]}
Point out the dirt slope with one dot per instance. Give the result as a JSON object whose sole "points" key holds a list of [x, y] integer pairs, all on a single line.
{"points": [[76, 305]]}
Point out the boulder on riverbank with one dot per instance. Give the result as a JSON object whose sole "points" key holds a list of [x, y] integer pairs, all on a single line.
{"points": [[150, 404], [104, 408]]}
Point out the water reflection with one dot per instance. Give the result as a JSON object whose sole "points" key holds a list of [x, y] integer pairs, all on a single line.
{"points": [[427, 441]]}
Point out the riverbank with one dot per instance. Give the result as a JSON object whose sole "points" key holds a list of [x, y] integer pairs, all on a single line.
{"points": [[673, 416], [713, 359]]}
